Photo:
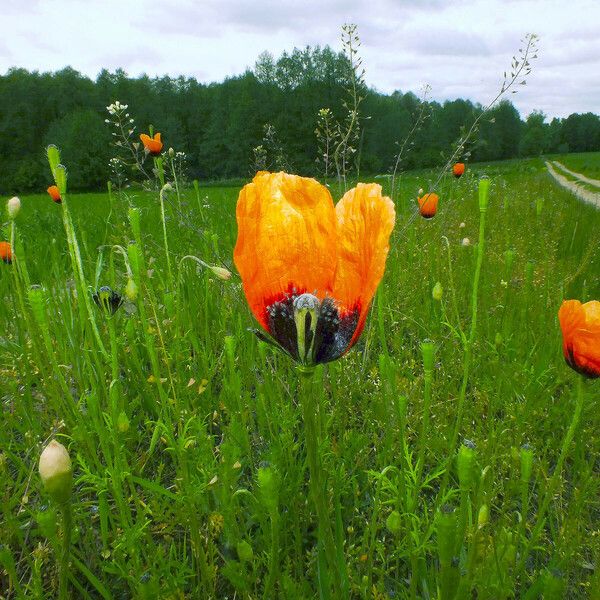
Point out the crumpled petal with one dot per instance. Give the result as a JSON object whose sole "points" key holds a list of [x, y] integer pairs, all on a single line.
{"points": [[286, 239], [365, 220]]}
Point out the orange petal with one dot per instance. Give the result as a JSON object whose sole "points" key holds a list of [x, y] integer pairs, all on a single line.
{"points": [[580, 325], [286, 239], [365, 221]]}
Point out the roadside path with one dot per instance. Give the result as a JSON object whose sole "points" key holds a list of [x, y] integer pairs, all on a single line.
{"points": [[594, 182], [578, 190]]}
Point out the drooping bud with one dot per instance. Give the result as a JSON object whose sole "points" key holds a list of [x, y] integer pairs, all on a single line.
{"points": [[131, 290], [220, 272], [56, 472], [437, 292], [13, 206]]}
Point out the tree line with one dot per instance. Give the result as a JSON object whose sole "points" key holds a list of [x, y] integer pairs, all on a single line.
{"points": [[218, 125]]}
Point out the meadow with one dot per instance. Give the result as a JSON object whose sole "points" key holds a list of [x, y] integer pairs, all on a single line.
{"points": [[452, 466]]}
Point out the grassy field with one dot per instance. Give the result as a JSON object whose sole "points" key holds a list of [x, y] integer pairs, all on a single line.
{"points": [[187, 441]]}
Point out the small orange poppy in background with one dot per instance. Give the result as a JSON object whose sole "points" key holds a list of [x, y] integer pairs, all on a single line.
{"points": [[152, 145], [428, 205], [5, 252], [55, 194], [458, 169], [310, 269], [580, 324]]}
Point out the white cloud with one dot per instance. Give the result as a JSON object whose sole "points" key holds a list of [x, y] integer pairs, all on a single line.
{"points": [[460, 48]]}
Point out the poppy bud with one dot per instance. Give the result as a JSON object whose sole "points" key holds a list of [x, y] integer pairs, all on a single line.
{"points": [[466, 465], [498, 339], [56, 472], [420, 192], [245, 552], [484, 187], [438, 291], [171, 153], [269, 488], [221, 272], [131, 290], [483, 515], [394, 522], [13, 206], [122, 423]]}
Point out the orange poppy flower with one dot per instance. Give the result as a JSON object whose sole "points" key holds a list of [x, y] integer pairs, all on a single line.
{"points": [[152, 145], [458, 169], [580, 324], [55, 194], [428, 205], [310, 269], [5, 252]]}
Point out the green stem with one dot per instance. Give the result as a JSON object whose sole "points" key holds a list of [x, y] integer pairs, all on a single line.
{"points": [[67, 525], [326, 541], [556, 475]]}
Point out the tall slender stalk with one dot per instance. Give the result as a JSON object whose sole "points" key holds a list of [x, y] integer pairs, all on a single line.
{"points": [[327, 564]]}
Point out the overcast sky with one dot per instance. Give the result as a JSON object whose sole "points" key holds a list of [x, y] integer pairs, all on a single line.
{"points": [[460, 48]]}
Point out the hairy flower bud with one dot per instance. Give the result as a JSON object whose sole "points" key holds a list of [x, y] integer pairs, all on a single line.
{"points": [[438, 291], [56, 472], [13, 206]]}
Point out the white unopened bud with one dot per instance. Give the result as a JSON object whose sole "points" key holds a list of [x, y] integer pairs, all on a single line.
{"points": [[466, 242], [13, 206], [420, 192], [56, 472]]}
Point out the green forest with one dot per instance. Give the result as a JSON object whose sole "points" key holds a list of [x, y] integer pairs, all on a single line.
{"points": [[218, 125]]}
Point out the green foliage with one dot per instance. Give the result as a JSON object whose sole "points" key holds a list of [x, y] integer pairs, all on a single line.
{"points": [[219, 124], [187, 437]]}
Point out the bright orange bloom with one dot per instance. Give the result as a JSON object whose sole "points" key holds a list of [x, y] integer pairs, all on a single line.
{"points": [[5, 252], [310, 269], [55, 194], [458, 169], [428, 205], [580, 324], [152, 145]]}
